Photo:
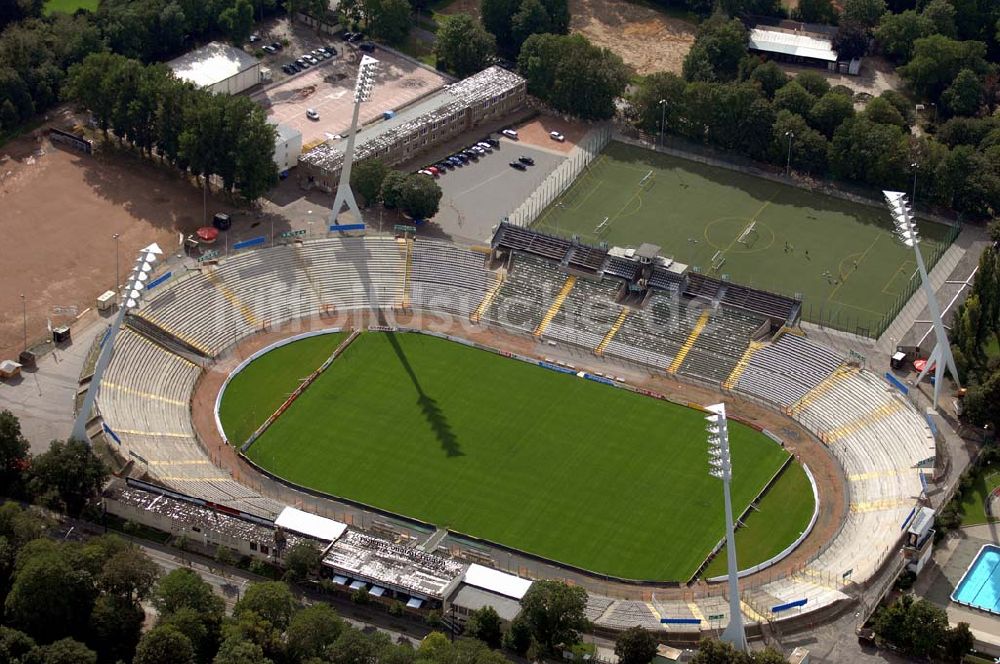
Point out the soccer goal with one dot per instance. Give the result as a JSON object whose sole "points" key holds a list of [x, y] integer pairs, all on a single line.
{"points": [[749, 234], [717, 261], [602, 226], [646, 179]]}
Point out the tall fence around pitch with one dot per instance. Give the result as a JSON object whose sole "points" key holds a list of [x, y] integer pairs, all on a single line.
{"points": [[562, 177]]}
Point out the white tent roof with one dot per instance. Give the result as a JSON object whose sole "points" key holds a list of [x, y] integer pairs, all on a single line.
{"points": [[311, 525], [496, 581], [212, 63], [788, 43]]}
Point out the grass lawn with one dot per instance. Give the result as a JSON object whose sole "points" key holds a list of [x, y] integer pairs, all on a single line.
{"points": [[419, 49], [783, 514], [840, 256], [548, 463], [264, 384], [974, 501], [69, 6]]}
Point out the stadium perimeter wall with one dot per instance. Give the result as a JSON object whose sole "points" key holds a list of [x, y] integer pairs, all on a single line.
{"points": [[490, 543]]}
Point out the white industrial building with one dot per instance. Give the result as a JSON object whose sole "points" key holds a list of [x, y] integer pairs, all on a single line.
{"points": [[287, 146], [218, 67], [800, 44]]}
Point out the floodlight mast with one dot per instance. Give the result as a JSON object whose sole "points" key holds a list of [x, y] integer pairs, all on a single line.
{"points": [[133, 292], [906, 230], [721, 467], [362, 93]]}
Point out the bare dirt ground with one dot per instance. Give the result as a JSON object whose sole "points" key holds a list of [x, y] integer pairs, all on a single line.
{"points": [[646, 39], [877, 75], [470, 7], [537, 131], [59, 211]]}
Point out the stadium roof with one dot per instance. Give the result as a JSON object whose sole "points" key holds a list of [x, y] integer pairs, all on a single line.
{"points": [[472, 598], [496, 581], [799, 45], [212, 63], [311, 525]]}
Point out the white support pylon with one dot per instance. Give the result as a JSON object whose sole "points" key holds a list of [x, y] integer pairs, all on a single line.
{"points": [[362, 93]]}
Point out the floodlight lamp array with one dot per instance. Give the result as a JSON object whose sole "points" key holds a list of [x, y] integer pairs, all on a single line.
{"points": [[366, 79], [902, 217], [140, 273], [718, 442]]}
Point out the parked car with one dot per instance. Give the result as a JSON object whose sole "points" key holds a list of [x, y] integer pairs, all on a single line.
{"points": [[254, 38], [320, 53], [287, 69], [492, 141], [527, 161], [484, 145], [277, 46], [509, 133], [518, 165], [312, 114], [433, 169], [367, 47], [478, 150], [424, 171], [269, 49], [331, 49], [556, 136], [444, 165], [468, 154], [294, 67], [303, 63], [311, 58], [355, 37], [462, 159]]}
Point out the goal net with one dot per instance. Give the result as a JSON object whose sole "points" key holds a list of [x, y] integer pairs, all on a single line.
{"points": [[717, 261], [749, 235]]}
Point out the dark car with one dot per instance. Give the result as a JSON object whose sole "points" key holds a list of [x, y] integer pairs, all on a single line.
{"points": [[287, 69], [277, 46], [367, 47], [492, 141], [444, 164], [518, 165], [527, 161], [294, 67], [269, 49], [469, 154], [356, 37], [332, 50], [462, 159], [303, 63]]}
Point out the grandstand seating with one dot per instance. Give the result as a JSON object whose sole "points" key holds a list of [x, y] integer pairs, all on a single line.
{"points": [[878, 437]]}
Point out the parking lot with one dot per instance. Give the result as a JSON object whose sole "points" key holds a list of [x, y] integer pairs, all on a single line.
{"points": [[477, 195], [328, 88]]}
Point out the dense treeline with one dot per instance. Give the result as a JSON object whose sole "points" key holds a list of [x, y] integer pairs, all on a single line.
{"points": [[207, 134], [36, 51], [736, 101]]}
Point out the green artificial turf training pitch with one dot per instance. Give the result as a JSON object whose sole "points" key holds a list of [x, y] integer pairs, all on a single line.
{"points": [[69, 6], [565, 468], [840, 256]]}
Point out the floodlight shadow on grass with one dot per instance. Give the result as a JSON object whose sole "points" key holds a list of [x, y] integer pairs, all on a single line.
{"points": [[428, 405]]}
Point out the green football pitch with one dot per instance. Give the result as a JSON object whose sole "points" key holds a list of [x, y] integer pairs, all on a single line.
{"points": [[548, 463], [69, 6], [840, 256]]}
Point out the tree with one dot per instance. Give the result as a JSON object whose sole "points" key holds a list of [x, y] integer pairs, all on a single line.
{"points": [[355, 647], [936, 62], [635, 646], [272, 600], [712, 651], [303, 560], [865, 151], [13, 450], [942, 14], [851, 40], [463, 47], [722, 44], [917, 627], [164, 645], [484, 624], [392, 188], [881, 111], [312, 629], [237, 21], [496, 16], [388, 19], [14, 644], [769, 77], [958, 642], [795, 98], [366, 179], [183, 588], [129, 574], [49, 598], [238, 651], [518, 637], [813, 82], [968, 182], [554, 612], [67, 476], [530, 19], [865, 12], [897, 32], [815, 11], [65, 651], [202, 629], [649, 92], [115, 628], [420, 196], [808, 146], [573, 75], [558, 11], [830, 111], [902, 104], [965, 94]]}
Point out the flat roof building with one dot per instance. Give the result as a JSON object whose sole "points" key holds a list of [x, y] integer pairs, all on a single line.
{"points": [[800, 45], [218, 67], [492, 93]]}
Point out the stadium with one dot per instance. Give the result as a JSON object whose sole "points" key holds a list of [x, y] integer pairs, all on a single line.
{"points": [[534, 406]]}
